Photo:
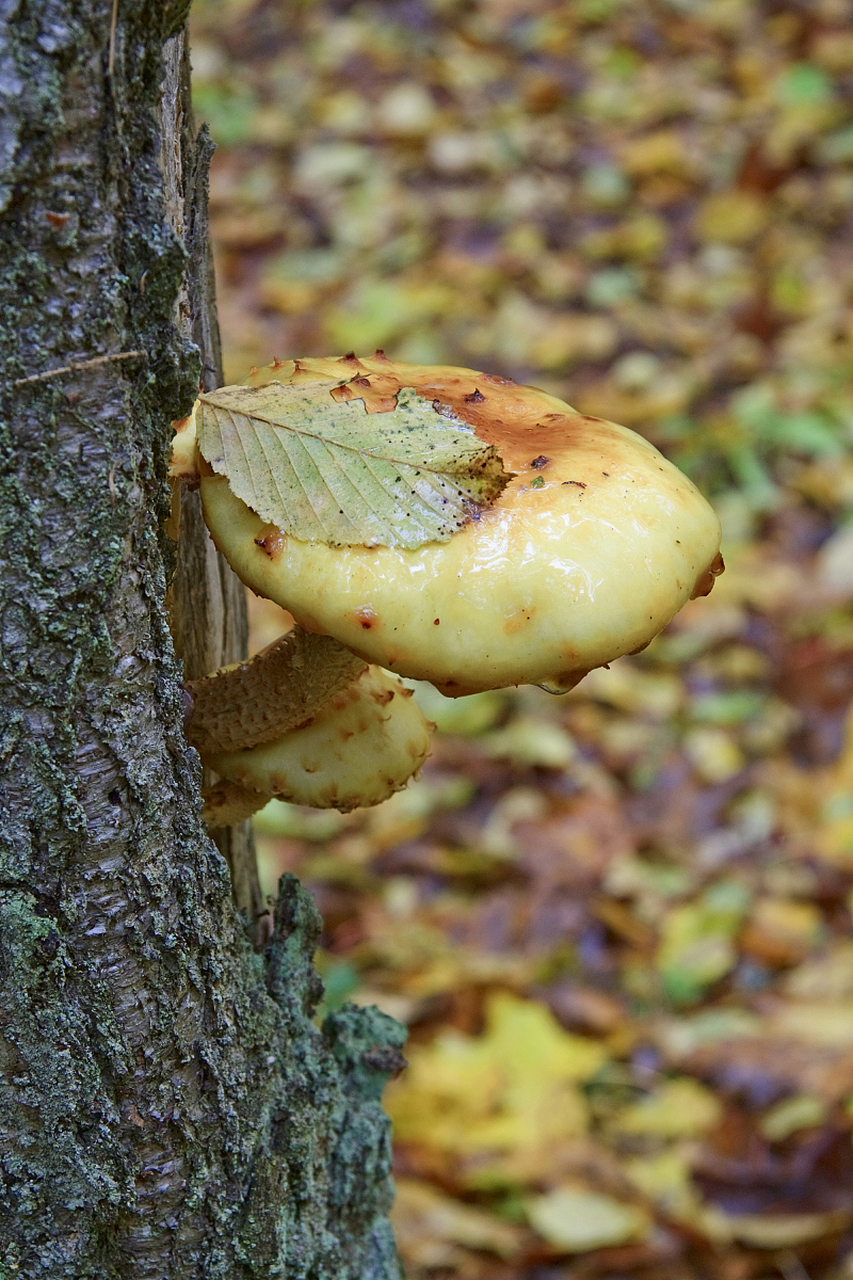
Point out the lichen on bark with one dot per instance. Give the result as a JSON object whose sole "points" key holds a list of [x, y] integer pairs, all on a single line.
{"points": [[167, 1106]]}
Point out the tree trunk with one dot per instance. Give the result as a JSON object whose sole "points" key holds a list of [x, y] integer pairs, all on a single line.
{"points": [[207, 614], [167, 1106]]}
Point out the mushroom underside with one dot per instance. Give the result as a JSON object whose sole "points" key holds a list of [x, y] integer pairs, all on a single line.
{"points": [[364, 744]]}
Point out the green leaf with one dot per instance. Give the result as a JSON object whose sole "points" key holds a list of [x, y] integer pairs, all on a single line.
{"points": [[804, 83], [331, 472]]}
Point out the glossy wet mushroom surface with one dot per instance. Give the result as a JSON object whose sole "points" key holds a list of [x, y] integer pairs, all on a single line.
{"points": [[594, 545]]}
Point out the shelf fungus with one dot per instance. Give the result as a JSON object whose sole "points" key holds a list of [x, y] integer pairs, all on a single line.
{"points": [[443, 524], [305, 721], [450, 525]]}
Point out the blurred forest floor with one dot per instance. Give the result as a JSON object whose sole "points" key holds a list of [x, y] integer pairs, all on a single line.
{"points": [[618, 923]]}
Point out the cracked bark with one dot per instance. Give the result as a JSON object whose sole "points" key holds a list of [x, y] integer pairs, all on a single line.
{"points": [[167, 1106]]}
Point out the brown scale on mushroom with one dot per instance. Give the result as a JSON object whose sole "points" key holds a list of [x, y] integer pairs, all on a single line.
{"points": [[705, 584], [272, 543]]}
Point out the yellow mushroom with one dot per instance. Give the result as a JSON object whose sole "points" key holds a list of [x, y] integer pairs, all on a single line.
{"points": [[360, 747], [591, 549]]}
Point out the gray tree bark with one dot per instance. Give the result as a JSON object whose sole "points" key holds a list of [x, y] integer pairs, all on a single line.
{"points": [[167, 1106]]}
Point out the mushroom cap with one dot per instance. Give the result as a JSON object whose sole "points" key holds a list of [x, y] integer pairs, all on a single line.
{"points": [[361, 747], [591, 549]]}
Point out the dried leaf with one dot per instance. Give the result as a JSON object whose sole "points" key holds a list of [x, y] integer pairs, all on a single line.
{"points": [[781, 932], [776, 1230], [425, 1221], [326, 470]]}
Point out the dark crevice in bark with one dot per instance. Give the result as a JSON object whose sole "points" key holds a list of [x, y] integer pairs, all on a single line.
{"points": [[167, 1106]]}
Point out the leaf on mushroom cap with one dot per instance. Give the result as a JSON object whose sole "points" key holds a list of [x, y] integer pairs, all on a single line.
{"points": [[328, 467]]}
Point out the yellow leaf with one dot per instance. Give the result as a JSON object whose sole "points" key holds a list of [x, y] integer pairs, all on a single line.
{"points": [[776, 1231], [535, 1045], [577, 1220], [802, 1111], [828, 976], [781, 932], [732, 217], [678, 1109], [514, 1087], [661, 152], [665, 1179], [406, 110], [639, 239], [713, 754], [821, 1023], [697, 946]]}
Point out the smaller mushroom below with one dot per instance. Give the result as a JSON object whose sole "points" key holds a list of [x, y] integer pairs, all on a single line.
{"points": [[360, 747]]}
